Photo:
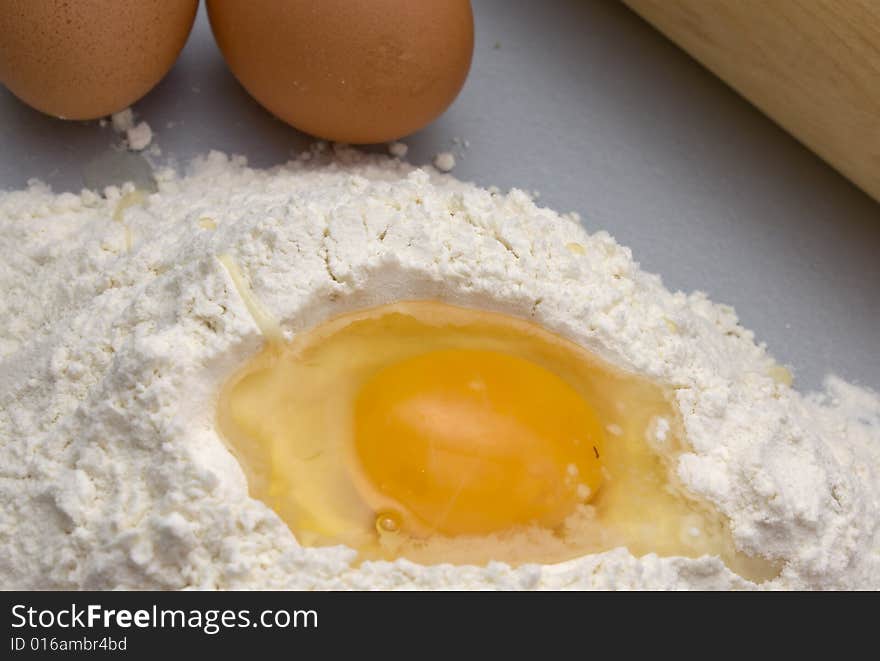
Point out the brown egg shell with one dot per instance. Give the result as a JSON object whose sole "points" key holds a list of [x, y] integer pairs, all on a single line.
{"points": [[357, 72], [83, 59]]}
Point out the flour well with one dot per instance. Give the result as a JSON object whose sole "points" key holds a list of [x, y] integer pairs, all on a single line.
{"points": [[117, 335]]}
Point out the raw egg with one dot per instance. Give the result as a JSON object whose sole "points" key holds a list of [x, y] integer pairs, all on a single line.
{"points": [[89, 58], [354, 72], [469, 441], [447, 434]]}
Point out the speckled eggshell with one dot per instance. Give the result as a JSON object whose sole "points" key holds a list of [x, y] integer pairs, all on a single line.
{"points": [[355, 72], [82, 59]]}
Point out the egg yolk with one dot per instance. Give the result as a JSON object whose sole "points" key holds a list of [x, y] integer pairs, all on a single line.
{"points": [[473, 442]]}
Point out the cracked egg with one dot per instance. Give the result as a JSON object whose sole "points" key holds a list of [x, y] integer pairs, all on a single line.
{"points": [[438, 433]]}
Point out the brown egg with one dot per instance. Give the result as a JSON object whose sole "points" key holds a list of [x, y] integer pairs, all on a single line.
{"points": [[348, 71], [82, 59]]}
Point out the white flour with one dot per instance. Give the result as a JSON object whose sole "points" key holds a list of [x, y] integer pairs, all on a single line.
{"points": [[116, 336], [444, 161], [137, 136]]}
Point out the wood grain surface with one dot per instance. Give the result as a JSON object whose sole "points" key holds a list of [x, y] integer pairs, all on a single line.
{"points": [[811, 65]]}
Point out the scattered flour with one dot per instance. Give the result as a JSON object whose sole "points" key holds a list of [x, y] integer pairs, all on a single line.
{"points": [[137, 136], [398, 149], [444, 161], [123, 120], [117, 335]]}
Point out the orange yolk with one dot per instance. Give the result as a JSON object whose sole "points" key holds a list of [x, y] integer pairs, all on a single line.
{"points": [[473, 442]]}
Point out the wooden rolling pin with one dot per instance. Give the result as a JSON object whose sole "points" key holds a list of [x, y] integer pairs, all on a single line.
{"points": [[811, 65]]}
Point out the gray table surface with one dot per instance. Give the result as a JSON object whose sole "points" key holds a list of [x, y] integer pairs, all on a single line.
{"points": [[585, 103]]}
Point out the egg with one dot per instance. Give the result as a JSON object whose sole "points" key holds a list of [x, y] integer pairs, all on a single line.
{"points": [[439, 433], [474, 441], [83, 60], [356, 72]]}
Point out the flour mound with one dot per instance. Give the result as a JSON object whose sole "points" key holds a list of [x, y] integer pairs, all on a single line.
{"points": [[118, 332]]}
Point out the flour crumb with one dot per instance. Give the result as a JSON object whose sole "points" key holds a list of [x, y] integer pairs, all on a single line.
{"points": [[398, 149], [444, 161], [661, 430], [139, 137], [123, 120]]}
